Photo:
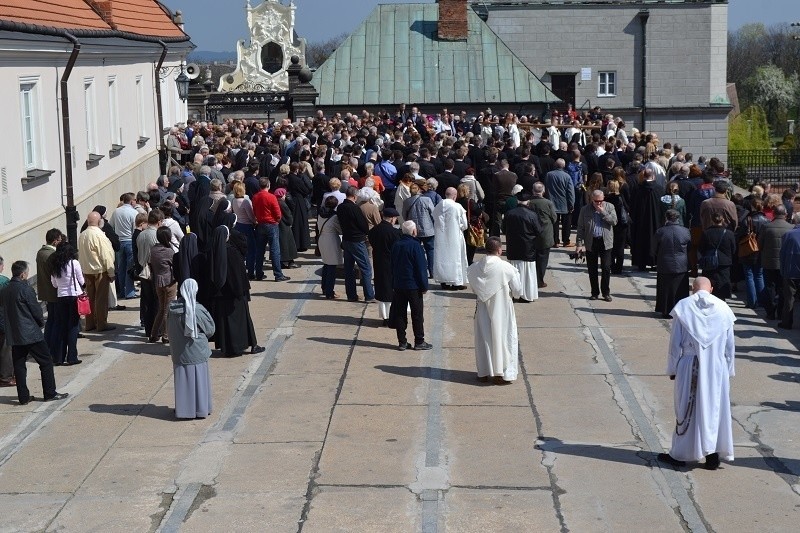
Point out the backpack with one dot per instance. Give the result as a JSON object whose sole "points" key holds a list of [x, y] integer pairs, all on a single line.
{"points": [[575, 170]]}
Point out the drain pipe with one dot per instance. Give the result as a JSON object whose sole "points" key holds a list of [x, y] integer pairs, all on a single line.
{"points": [[644, 15], [71, 210], [161, 143]]}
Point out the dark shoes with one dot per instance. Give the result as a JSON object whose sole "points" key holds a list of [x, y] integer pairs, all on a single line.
{"points": [[668, 459], [712, 461], [404, 346], [784, 326], [423, 346], [542, 285], [483, 379], [71, 363], [10, 382], [58, 396], [607, 298], [108, 328], [593, 297], [283, 278], [257, 349]]}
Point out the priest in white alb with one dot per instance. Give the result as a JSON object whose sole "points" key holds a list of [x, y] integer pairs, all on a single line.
{"points": [[495, 282], [701, 361], [450, 261]]}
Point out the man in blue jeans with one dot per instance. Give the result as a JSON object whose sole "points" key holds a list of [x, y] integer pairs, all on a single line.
{"points": [[124, 223], [354, 243], [268, 214]]}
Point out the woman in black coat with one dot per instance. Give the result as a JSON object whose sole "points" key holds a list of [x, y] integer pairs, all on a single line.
{"points": [[300, 188], [671, 250], [718, 238], [288, 247], [621, 206]]}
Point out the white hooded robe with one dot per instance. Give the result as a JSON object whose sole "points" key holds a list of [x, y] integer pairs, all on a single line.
{"points": [[450, 259], [702, 344], [495, 282]]}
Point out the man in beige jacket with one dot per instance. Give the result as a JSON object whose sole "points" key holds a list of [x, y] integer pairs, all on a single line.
{"points": [[96, 257]]}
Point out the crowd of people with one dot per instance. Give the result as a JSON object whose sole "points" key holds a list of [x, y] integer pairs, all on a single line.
{"points": [[395, 201]]}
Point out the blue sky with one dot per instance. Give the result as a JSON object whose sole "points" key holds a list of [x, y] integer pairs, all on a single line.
{"points": [[214, 28]]}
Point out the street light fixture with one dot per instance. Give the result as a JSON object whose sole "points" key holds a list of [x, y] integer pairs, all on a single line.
{"points": [[182, 81]]}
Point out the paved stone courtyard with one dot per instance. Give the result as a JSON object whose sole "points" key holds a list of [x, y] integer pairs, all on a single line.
{"points": [[332, 429]]}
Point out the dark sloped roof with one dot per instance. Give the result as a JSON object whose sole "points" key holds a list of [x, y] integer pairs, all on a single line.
{"points": [[395, 56]]}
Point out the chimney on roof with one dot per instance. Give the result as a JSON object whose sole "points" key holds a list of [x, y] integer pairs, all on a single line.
{"points": [[105, 10], [453, 24]]}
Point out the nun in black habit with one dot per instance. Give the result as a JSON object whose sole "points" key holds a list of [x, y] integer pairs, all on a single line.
{"points": [[299, 188], [231, 292]]}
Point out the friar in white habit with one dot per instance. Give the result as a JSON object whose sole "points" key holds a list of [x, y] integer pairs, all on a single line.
{"points": [[450, 261], [701, 354], [495, 282]]}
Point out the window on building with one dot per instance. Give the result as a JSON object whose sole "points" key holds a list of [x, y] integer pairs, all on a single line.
{"points": [[91, 116], [607, 84], [113, 111], [30, 114], [141, 116]]}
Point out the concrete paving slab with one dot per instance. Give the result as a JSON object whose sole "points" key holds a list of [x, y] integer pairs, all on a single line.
{"points": [[399, 384], [461, 387], [118, 378], [373, 445], [134, 471], [339, 510], [492, 447], [28, 512], [278, 512], [10, 419], [73, 444], [290, 408], [306, 357], [96, 514], [558, 351], [579, 408], [610, 489], [479, 511], [267, 467], [768, 504], [643, 350]]}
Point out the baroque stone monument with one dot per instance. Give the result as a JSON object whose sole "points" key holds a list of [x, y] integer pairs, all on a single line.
{"points": [[263, 63]]}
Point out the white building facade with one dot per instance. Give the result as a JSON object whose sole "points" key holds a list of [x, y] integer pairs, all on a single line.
{"points": [[114, 127]]}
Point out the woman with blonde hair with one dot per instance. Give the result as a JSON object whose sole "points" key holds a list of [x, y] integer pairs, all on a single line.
{"points": [[246, 223]]}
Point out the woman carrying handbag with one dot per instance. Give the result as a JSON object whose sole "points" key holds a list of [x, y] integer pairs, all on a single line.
{"points": [[68, 280]]}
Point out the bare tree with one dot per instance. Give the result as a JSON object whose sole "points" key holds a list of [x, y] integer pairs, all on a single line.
{"points": [[318, 51]]}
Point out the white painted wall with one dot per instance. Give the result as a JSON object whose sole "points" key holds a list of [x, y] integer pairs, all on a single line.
{"points": [[26, 211]]}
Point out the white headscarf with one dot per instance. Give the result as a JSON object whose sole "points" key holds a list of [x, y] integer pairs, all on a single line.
{"points": [[189, 296]]}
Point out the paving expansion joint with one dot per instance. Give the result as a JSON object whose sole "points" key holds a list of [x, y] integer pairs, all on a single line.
{"points": [[218, 440]]}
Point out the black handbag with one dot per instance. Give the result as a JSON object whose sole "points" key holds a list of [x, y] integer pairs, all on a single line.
{"points": [[710, 259]]}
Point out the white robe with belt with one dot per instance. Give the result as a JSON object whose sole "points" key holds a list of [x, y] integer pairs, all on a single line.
{"points": [[494, 282], [450, 259], [702, 344]]}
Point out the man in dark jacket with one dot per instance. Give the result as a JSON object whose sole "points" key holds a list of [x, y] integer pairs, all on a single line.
{"points": [[547, 217], [410, 283], [501, 184], [447, 178], [47, 293], [522, 228], [23, 328], [354, 243], [790, 271], [670, 247], [769, 245]]}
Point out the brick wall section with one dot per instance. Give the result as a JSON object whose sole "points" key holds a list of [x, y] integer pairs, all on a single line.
{"points": [[105, 10], [453, 25]]}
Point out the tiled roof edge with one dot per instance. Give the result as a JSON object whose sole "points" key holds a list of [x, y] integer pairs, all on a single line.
{"points": [[24, 27]]}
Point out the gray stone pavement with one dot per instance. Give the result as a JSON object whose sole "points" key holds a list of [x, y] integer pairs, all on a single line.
{"points": [[332, 429]]}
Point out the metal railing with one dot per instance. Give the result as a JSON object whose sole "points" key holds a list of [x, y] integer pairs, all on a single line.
{"points": [[777, 167]]}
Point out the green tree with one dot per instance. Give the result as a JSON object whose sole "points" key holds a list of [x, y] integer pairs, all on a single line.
{"points": [[770, 88], [749, 130]]}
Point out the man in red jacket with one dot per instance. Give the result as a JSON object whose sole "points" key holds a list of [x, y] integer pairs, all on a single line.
{"points": [[268, 215]]}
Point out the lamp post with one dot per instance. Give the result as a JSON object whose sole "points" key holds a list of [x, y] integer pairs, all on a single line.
{"points": [[182, 82]]}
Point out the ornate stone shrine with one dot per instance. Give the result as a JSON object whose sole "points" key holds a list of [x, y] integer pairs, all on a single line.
{"points": [[263, 62]]}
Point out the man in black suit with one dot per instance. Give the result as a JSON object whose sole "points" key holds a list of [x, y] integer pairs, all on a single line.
{"points": [[447, 178], [502, 184]]}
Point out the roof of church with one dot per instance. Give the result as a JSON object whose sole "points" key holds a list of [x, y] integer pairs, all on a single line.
{"points": [[142, 17], [395, 57]]}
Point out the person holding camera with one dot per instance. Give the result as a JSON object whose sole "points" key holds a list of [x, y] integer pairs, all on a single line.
{"points": [[596, 223]]}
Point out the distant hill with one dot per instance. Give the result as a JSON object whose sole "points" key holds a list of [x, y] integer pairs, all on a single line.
{"points": [[202, 56]]}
